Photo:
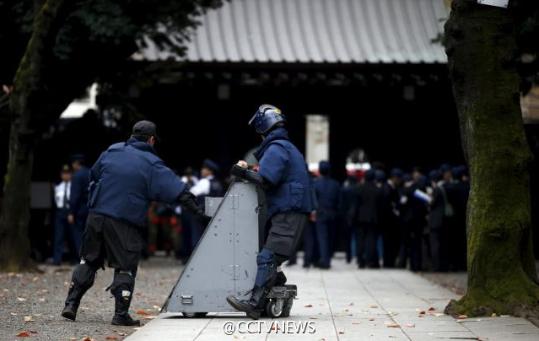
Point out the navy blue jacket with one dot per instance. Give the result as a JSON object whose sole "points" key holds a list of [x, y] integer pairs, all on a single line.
{"points": [[78, 199], [126, 177], [328, 194], [283, 167]]}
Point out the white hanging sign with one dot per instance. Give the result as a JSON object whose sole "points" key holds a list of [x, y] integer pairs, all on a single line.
{"points": [[497, 3]]}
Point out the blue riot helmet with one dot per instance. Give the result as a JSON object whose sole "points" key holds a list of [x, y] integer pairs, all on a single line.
{"points": [[265, 118]]}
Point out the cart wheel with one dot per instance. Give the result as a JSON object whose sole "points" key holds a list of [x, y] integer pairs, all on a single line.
{"points": [[274, 308], [288, 307], [195, 315]]}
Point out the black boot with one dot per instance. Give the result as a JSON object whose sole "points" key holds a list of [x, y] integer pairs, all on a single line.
{"points": [[280, 279], [82, 280], [253, 306], [72, 302], [121, 311]]}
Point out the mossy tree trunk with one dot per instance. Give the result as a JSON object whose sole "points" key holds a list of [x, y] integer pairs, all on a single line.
{"points": [[30, 105], [481, 47]]}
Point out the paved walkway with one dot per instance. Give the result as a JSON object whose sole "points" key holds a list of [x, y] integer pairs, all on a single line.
{"points": [[349, 304]]}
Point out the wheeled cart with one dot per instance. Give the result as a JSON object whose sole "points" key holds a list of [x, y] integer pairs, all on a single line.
{"points": [[224, 260]]}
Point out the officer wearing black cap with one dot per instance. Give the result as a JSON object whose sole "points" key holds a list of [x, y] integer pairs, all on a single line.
{"points": [[123, 181], [210, 186]]}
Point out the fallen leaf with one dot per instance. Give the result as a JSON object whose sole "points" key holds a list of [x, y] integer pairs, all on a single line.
{"points": [[111, 338], [24, 333], [13, 314], [142, 312], [392, 325], [308, 306], [432, 309], [341, 333], [21, 299], [422, 312], [87, 338], [371, 319], [28, 318]]}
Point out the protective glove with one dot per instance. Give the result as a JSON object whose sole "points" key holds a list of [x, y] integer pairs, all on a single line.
{"points": [[188, 201], [248, 175]]}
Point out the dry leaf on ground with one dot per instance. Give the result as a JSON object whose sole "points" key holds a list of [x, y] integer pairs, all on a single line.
{"points": [[24, 333]]}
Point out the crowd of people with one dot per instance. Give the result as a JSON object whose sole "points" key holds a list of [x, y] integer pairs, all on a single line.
{"points": [[378, 218], [400, 220]]}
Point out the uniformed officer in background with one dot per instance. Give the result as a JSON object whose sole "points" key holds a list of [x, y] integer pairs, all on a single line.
{"points": [[328, 196], [78, 200], [61, 225], [284, 177], [123, 181], [208, 185]]}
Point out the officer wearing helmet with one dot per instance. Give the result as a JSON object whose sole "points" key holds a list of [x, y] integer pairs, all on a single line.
{"points": [[123, 181], [284, 177]]}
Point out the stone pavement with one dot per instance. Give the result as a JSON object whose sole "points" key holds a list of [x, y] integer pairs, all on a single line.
{"points": [[345, 303]]}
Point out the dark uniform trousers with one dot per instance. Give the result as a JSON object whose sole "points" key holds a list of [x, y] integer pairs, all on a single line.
{"points": [[284, 231], [116, 241]]}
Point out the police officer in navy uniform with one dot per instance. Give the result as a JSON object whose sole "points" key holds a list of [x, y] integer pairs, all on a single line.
{"points": [[207, 186], [123, 181], [328, 195], [78, 200], [284, 177]]}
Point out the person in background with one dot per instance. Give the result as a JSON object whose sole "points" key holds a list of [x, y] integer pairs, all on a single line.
{"points": [[61, 225], [189, 178], [437, 227], [348, 194], [413, 218], [78, 202], [391, 217], [328, 195], [186, 218], [311, 255], [368, 205], [208, 185], [457, 240]]}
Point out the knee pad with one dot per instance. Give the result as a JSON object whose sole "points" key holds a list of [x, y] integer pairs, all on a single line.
{"points": [[122, 284], [83, 275], [265, 257]]}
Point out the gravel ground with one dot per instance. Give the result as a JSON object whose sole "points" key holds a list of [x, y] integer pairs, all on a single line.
{"points": [[32, 302]]}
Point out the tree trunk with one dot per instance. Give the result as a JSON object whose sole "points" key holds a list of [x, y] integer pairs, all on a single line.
{"points": [[28, 103], [481, 47]]}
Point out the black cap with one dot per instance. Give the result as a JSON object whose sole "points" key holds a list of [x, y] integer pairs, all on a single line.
{"points": [[144, 128], [211, 165], [77, 157]]}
